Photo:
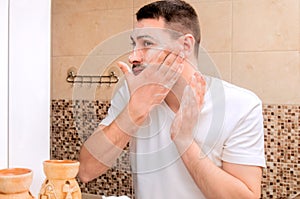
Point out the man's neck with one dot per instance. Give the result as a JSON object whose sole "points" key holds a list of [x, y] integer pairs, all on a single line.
{"points": [[173, 99]]}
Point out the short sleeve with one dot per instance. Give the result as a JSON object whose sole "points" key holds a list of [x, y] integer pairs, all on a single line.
{"points": [[118, 102], [245, 144]]}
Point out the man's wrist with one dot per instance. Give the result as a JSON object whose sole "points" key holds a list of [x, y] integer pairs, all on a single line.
{"points": [[182, 144], [193, 152], [130, 120]]}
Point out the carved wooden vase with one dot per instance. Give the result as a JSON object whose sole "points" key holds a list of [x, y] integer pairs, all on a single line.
{"points": [[15, 183], [60, 182]]}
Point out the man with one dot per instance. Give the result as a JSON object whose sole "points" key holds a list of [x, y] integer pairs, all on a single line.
{"points": [[191, 136]]}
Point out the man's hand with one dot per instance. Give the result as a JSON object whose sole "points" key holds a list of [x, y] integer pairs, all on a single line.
{"points": [[149, 87], [182, 129]]}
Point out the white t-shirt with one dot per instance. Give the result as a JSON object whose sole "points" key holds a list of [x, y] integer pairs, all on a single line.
{"points": [[230, 128]]}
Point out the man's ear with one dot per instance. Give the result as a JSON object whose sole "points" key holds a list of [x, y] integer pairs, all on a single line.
{"points": [[188, 44]]}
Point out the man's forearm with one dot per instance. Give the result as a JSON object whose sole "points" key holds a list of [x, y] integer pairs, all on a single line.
{"points": [[100, 151], [213, 181], [105, 145]]}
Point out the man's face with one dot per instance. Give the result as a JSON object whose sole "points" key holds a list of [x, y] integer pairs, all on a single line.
{"points": [[149, 39]]}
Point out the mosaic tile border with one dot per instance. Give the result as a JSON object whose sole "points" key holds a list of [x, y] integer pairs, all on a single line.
{"points": [[281, 178], [73, 121]]}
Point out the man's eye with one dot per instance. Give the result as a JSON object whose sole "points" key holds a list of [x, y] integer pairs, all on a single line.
{"points": [[147, 43]]}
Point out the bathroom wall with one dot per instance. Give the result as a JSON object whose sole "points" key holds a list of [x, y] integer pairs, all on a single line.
{"points": [[86, 39], [252, 43]]}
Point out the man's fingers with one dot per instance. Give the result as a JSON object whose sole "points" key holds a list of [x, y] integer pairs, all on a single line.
{"points": [[198, 85], [172, 62], [124, 67], [158, 60], [172, 68]]}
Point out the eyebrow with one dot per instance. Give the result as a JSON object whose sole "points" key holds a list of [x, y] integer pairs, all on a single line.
{"points": [[142, 37]]}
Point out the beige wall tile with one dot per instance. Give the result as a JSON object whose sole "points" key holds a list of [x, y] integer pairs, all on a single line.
{"points": [[113, 4], [273, 76], [139, 3], [60, 66], [265, 25], [215, 21], [78, 33], [216, 65], [70, 6]]}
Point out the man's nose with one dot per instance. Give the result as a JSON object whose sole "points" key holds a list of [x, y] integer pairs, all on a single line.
{"points": [[136, 56]]}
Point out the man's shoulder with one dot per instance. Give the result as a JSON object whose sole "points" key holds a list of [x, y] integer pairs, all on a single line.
{"points": [[233, 94], [240, 92]]}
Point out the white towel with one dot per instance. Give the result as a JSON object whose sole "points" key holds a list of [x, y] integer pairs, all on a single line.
{"points": [[113, 197]]}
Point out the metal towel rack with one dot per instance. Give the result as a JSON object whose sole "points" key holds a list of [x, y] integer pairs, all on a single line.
{"points": [[92, 79]]}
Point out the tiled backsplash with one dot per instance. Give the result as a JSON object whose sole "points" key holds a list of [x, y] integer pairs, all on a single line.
{"points": [[74, 121], [282, 149]]}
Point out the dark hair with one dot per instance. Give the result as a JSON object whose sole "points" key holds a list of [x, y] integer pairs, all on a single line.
{"points": [[177, 14]]}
